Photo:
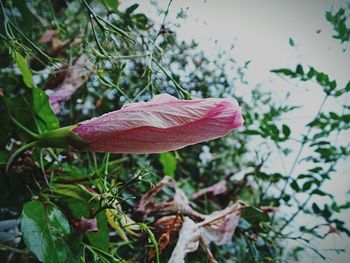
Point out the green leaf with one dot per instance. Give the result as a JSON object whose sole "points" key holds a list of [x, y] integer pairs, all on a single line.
{"points": [[303, 176], [284, 71], [291, 42], [131, 9], [315, 208], [251, 132], [168, 161], [4, 156], [294, 185], [27, 19], [113, 4], [345, 118], [338, 20], [23, 67], [41, 107], [81, 207], [140, 21], [316, 169], [80, 201], [332, 84], [44, 231], [299, 70], [326, 212], [286, 198], [307, 185], [318, 192], [33, 111], [347, 87], [285, 130], [254, 215], [274, 131], [70, 190]]}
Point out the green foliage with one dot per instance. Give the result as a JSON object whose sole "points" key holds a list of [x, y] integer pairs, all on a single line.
{"points": [[321, 78], [22, 65], [112, 4], [133, 59], [254, 216], [45, 231], [338, 20], [32, 110], [291, 42], [168, 162]]}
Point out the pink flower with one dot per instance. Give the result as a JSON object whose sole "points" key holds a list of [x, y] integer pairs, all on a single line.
{"points": [[163, 124]]}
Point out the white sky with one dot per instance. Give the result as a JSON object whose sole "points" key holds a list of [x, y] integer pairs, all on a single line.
{"points": [[260, 31]]}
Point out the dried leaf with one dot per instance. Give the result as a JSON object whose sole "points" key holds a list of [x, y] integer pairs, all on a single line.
{"points": [[267, 209], [215, 189], [165, 228], [48, 36], [217, 227], [168, 224], [58, 78], [220, 226], [148, 205], [77, 74], [188, 241], [85, 224]]}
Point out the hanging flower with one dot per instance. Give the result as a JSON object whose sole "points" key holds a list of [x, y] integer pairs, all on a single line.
{"points": [[163, 124]]}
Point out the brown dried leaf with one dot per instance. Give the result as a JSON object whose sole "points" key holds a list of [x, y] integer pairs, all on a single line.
{"points": [[76, 75], [215, 189], [58, 78], [165, 228], [85, 224], [148, 205], [48, 36], [168, 224], [217, 227]]}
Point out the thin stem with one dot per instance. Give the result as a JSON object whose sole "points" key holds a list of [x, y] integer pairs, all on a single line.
{"points": [[29, 132], [98, 20], [42, 167], [106, 163], [17, 152], [296, 160], [177, 85], [100, 48], [111, 85], [29, 41], [300, 208], [95, 162], [133, 56], [303, 205], [15, 250]]}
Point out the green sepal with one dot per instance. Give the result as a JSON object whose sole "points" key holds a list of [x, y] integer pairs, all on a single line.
{"points": [[62, 137]]}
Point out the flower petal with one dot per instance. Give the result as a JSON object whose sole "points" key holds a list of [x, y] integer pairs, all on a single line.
{"points": [[162, 124]]}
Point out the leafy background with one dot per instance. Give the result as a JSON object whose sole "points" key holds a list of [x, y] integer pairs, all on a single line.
{"points": [[277, 161]]}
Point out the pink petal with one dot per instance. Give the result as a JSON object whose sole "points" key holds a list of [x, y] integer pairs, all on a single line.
{"points": [[163, 124]]}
